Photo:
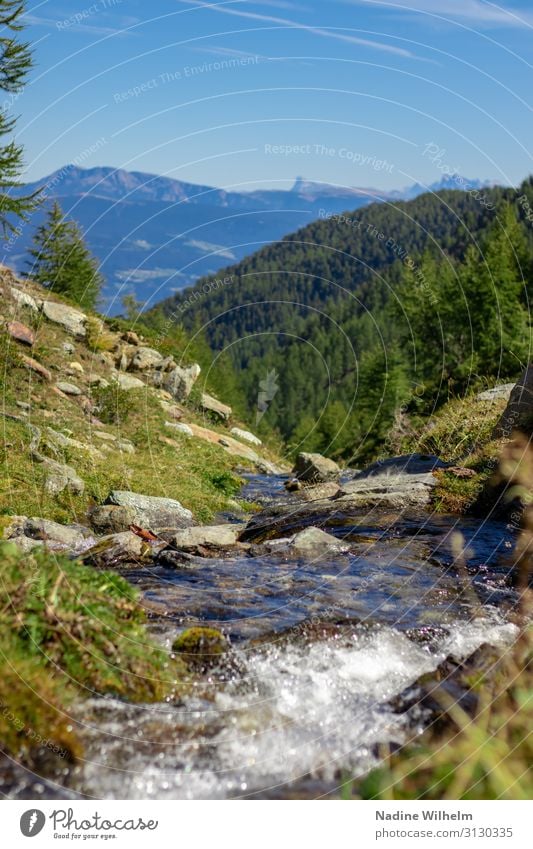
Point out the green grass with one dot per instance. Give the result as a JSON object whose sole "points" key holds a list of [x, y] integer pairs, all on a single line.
{"points": [[67, 630]]}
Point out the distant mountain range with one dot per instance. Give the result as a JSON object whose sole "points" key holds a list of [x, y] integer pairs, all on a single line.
{"points": [[155, 236]]}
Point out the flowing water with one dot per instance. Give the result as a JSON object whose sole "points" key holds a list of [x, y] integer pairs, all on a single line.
{"points": [[321, 649]]}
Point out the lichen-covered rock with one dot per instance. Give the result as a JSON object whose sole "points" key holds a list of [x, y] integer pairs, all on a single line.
{"points": [[314, 468], [112, 518], [72, 320], [43, 531], [145, 358], [128, 382], [180, 428], [153, 512], [180, 381], [201, 649], [60, 477], [115, 550]]}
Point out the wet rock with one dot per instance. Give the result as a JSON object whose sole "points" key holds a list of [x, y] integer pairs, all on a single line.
{"points": [[145, 358], [319, 491], [314, 468], [246, 435], [293, 485], [71, 319], [180, 381], [313, 542], [152, 511], [116, 550], [405, 464], [112, 518], [21, 333], [201, 649], [213, 537], [390, 491], [214, 407], [33, 365], [68, 388]]}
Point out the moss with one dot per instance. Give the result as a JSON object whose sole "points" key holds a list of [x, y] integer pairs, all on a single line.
{"points": [[201, 648]]}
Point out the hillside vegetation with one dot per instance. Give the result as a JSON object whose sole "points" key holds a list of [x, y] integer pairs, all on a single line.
{"points": [[367, 317]]}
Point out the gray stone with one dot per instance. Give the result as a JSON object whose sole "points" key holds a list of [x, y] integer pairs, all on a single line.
{"points": [[387, 490], [180, 428], [214, 407], [518, 415], [60, 477], [180, 381], [68, 348], [145, 358], [125, 446], [22, 299], [314, 468], [128, 382], [60, 440], [112, 519], [68, 388], [497, 393], [71, 319], [152, 511], [210, 536], [313, 542], [405, 464], [246, 435], [115, 550], [55, 536]]}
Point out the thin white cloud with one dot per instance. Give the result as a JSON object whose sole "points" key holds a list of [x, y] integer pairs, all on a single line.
{"points": [[61, 27], [324, 33], [477, 11]]}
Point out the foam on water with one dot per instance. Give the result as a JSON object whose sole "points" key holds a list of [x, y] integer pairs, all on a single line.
{"points": [[304, 710]]}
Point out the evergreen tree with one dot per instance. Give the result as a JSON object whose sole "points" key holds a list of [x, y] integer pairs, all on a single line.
{"points": [[62, 261], [15, 62]]}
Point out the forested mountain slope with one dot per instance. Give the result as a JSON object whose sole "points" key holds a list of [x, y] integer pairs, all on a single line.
{"points": [[359, 316]]}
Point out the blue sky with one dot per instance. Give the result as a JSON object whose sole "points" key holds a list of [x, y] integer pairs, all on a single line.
{"points": [[244, 95]]}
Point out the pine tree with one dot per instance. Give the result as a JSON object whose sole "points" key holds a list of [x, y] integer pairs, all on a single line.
{"points": [[62, 261], [15, 63]]}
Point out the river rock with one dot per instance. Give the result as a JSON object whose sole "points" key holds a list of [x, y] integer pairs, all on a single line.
{"points": [[180, 381], [152, 511], [405, 464], [518, 415], [21, 333], [115, 550], [71, 319], [193, 540], [214, 407], [246, 435], [145, 358], [313, 542], [315, 468], [112, 518]]}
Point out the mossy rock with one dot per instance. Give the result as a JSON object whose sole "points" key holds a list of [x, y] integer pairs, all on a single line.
{"points": [[201, 649]]}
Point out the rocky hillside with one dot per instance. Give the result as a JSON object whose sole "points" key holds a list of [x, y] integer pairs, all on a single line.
{"points": [[95, 417]]}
